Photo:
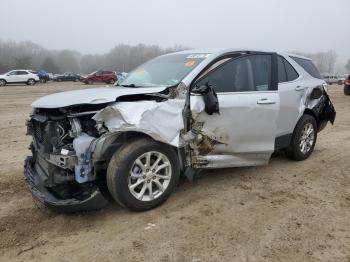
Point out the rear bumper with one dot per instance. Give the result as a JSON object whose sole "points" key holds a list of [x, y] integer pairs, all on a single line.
{"points": [[36, 185]]}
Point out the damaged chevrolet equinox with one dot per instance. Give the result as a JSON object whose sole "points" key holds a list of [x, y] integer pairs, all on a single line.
{"points": [[176, 114]]}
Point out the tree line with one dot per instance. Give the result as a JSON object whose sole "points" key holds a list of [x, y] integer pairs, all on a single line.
{"points": [[28, 55]]}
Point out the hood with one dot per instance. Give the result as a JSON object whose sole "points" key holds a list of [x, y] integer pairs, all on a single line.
{"points": [[91, 96]]}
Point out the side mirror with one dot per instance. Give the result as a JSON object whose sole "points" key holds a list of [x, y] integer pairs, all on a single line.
{"points": [[209, 96], [316, 93]]}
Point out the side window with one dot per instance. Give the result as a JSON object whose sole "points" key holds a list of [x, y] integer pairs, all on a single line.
{"points": [[286, 71], [22, 73], [247, 73], [291, 72], [308, 66], [13, 73], [262, 71]]}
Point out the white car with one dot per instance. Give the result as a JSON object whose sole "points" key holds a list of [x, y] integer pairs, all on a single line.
{"points": [[176, 114], [19, 76]]}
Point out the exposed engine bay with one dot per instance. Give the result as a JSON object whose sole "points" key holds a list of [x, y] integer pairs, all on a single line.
{"points": [[61, 151]]}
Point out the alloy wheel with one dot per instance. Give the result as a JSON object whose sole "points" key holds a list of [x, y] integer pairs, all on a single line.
{"points": [[307, 138], [149, 176]]}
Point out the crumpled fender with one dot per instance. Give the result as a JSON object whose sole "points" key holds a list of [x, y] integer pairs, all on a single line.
{"points": [[162, 121]]}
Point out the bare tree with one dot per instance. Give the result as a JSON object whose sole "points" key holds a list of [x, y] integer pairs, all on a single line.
{"points": [[325, 61], [28, 55]]}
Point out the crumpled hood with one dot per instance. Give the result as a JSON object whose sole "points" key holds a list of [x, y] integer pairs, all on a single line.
{"points": [[91, 96]]}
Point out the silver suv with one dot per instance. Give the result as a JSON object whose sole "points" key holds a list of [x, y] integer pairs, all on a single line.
{"points": [[176, 114]]}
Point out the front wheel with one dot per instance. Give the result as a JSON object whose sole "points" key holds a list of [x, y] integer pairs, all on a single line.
{"points": [[142, 174], [2, 82], [303, 139]]}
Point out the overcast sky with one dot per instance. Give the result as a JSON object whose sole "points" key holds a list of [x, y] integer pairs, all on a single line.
{"points": [[95, 26]]}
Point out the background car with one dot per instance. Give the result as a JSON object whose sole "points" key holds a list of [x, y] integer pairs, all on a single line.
{"points": [[68, 76], [347, 86], [19, 76], [108, 77], [334, 79]]}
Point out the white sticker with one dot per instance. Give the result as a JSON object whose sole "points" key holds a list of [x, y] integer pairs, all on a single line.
{"points": [[64, 152], [197, 56]]}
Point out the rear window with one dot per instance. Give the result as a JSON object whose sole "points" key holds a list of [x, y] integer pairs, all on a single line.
{"points": [[308, 66], [286, 71]]}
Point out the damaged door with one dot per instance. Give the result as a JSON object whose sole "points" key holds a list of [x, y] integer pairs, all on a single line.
{"points": [[243, 132]]}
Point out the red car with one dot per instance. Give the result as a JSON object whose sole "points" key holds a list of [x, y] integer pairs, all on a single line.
{"points": [[108, 77]]}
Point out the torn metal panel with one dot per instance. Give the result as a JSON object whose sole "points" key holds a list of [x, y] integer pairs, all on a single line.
{"points": [[163, 121]]}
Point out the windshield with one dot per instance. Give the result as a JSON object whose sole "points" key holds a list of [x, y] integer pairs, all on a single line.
{"points": [[165, 70]]}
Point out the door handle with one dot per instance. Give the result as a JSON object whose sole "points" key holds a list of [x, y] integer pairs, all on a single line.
{"points": [[300, 88], [265, 101]]}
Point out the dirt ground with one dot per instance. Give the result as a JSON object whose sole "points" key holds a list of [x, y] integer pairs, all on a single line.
{"points": [[286, 211]]}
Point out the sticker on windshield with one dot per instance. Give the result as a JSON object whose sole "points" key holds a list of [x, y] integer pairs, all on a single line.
{"points": [[198, 56], [190, 63]]}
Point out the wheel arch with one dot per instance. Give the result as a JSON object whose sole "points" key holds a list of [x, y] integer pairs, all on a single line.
{"points": [[107, 145], [320, 124]]}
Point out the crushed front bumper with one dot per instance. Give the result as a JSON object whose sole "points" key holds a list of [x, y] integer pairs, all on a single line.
{"points": [[36, 185]]}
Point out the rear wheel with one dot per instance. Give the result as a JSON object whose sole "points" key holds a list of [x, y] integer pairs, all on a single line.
{"points": [[111, 81], [90, 82], [59, 80], [304, 138], [142, 174], [2, 82], [31, 82]]}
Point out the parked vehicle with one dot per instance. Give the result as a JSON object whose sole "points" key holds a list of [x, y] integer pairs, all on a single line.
{"points": [[347, 86], [108, 77], [19, 76], [121, 76], [334, 79], [68, 76], [43, 76], [176, 114]]}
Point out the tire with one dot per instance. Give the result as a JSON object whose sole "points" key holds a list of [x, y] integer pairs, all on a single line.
{"points": [[111, 82], [340, 82], [347, 90], [31, 82], [76, 80], [59, 80], [119, 181], [89, 82], [2, 82], [303, 145]]}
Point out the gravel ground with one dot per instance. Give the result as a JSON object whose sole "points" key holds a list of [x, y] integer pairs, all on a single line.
{"points": [[286, 211]]}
